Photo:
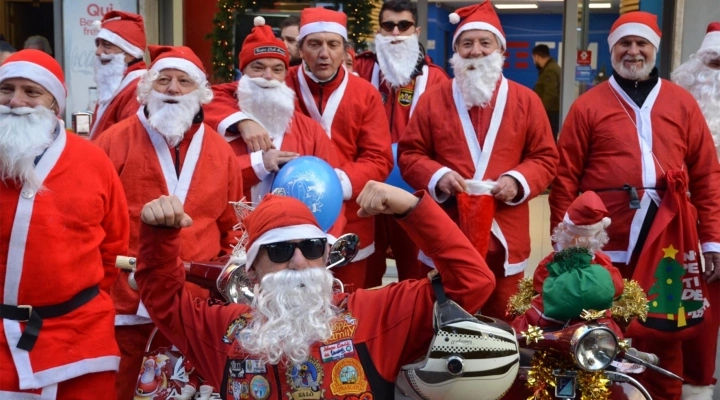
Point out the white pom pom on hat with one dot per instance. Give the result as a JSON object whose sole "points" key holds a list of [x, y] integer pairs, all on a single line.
{"points": [[97, 24], [259, 21], [454, 18]]}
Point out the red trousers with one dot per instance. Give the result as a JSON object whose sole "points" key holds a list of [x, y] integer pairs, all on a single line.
{"points": [[505, 286], [132, 340], [389, 234], [699, 354]]}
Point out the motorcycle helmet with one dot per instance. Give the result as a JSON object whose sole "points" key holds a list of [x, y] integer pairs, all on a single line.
{"points": [[470, 358]]}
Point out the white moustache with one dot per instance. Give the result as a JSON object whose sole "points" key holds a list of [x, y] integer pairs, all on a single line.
{"points": [[18, 110], [266, 84]]}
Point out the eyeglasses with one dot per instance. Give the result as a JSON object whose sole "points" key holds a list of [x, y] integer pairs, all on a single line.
{"points": [[402, 26], [281, 252]]}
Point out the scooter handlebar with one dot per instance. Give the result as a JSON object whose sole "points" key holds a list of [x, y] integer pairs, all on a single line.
{"points": [[647, 357]]}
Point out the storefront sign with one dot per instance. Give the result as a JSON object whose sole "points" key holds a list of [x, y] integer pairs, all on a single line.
{"points": [[79, 44]]}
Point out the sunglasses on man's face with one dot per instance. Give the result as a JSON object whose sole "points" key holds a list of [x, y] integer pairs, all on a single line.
{"points": [[281, 252], [402, 26]]}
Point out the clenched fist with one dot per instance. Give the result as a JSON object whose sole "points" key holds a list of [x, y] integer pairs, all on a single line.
{"points": [[165, 211], [381, 198]]}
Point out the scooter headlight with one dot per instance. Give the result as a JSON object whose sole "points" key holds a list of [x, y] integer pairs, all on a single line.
{"points": [[594, 347]]}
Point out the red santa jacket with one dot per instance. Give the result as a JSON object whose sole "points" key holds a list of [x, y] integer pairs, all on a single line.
{"points": [[351, 111], [124, 104], [53, 245], [209, 179], [517, 141], [379, 330], [534, 316], [601, 149], [399, 102]]}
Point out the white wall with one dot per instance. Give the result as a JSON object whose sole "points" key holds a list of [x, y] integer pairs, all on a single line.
{"points": [[697, 14]]}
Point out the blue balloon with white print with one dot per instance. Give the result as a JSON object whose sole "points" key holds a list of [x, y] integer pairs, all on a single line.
{"points": [[314, 182], [395, 179]]}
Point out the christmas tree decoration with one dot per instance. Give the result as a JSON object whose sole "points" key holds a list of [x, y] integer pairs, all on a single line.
{"points": [[665, 295], [521, 301]]}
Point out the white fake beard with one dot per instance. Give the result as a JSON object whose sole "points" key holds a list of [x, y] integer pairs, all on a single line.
{"points": [[292, 310], [109, 76], [25, 133], [172, 120], [397, 60], [477, 77], [269, 102], [703, 83], [634, 73]]}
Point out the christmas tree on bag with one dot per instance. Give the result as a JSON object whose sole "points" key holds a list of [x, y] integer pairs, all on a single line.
{"points": [[665, 295]]}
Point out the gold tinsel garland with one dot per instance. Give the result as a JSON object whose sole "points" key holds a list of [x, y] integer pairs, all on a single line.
{"points": [[631, 304], [520, 302], [541, 380]]}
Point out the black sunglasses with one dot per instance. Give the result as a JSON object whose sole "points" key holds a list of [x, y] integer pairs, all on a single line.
{"points": [[402, 26], [281, 252]]}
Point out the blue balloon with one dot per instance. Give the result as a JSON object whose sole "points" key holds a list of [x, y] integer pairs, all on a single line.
{"points": [[315, 183], [395, 178]]}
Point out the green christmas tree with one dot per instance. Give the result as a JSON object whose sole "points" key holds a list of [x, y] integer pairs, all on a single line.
{"points": [[668, 288]]}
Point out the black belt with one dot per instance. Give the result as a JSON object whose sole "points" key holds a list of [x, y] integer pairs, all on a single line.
{"points": [[35, 315], [632, 191]]}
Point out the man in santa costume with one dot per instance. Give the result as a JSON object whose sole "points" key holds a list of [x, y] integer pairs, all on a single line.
{"points": [[480, 126], [165, 148], [624, 139], [63, 220], [350, 111], [263, 95], [299, 336], [700, 75], [401, 72], [118, 67]]}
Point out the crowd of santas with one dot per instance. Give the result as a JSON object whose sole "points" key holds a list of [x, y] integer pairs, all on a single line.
{"points": [[479, 145]]}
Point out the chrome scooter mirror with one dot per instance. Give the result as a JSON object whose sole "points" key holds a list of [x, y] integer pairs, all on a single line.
{"points": [[343, 251], [234, 285]]}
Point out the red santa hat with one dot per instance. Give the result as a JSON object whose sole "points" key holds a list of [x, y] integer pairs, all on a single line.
{"points": [[177, 57], [125, 30], [636, 23], [711, 42], [262, 43], [586, 215], [318, 19], [279, 219], [478, 17], [39, 67]]}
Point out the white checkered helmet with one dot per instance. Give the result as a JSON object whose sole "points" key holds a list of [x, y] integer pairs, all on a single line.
{"points": [[470, 358]]}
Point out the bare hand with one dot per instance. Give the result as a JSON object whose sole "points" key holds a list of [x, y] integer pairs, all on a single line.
{"points": [[381, 198], [165, 211], [451, 183], [273, 159], [506, 189], [712, 266], [255, 136]]}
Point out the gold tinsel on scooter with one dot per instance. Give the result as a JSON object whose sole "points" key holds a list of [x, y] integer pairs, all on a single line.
{"points": [[541, 380], [631, 304]]}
